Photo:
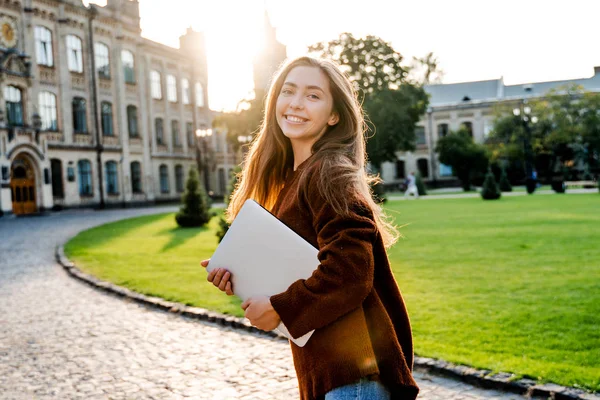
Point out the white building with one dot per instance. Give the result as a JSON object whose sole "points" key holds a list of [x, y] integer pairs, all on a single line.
{"points": [[471, 105], [117, 112]]}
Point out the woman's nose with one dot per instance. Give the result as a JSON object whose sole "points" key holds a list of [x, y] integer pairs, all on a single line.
{"points": [[296, 103]]}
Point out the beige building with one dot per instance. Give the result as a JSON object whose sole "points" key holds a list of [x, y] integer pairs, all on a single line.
{"points": [[468, 104], [93, 113]]}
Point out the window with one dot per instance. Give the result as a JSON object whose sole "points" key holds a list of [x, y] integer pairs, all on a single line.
{"points": [[57, 179], [43, 46], [132, 125], [136, 177], [47, 104], [14, 105], [420, 135], [74, 54], [468, 126], [79, 117], [112, 181], [102, 60], [179, 178], [445, 170], [164, 179], [85, 177], [107, 120], [442, 130], [185, 91], [171, 88], [155, 85], [189, 132], [199, 95], [175, 133], [160, 131], [423, 167], [128, 70]]}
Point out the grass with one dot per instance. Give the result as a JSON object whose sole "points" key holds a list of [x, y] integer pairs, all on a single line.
{"points": [[510, 285]]}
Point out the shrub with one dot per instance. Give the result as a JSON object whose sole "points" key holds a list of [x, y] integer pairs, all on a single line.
{"points": [[490, 190], [505, 185], [195, 206], [558, 186], [530, 184], [223, 224]]}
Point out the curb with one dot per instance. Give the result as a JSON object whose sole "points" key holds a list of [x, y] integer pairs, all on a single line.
{"points": [[482, 378]]}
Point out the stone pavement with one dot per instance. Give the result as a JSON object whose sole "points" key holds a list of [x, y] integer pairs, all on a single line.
{"points": [[61, 339]]}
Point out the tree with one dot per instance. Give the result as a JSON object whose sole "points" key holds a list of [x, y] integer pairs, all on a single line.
{"points": [[245, 121], [505, 185], [195, 204], [490, 190], [458, 150], [426, 70], [392, 103]]}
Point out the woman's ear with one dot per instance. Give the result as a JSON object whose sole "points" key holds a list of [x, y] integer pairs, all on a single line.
{"points": [[334, 119]]}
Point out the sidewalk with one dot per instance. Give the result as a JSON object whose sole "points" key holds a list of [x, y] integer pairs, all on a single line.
{"points": [[508, 194]]}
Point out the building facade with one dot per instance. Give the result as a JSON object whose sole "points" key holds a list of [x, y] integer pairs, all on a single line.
{"points": [[92, 113], [470, 105]]}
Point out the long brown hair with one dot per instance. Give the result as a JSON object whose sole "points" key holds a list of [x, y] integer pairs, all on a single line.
{"points": [[341, 153]]}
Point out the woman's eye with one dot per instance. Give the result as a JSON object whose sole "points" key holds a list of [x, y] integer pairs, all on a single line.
{"points": [[286, 91], [313, 96]]}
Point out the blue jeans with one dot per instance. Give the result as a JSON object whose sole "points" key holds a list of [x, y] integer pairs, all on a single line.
{"points": [[361, 390]]}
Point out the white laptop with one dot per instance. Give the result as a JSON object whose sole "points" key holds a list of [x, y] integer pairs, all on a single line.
{"points": [[264, 257]]}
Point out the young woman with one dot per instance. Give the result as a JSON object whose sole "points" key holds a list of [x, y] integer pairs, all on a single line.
{"points": [[307, 166]]}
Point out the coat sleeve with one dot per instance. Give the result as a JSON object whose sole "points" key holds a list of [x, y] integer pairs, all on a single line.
{"points": [[344, 277]]}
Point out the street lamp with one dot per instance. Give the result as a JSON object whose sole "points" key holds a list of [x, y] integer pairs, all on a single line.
{"points": [[37, 126], [203, 134], [523, 112]]}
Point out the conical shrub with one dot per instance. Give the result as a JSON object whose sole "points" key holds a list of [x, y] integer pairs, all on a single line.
{"points": [[195, 204], [223, 224], [490, 189], [505, 185]]}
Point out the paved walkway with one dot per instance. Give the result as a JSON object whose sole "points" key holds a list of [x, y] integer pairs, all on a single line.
{"points": [[60, 339], [507, 194]]}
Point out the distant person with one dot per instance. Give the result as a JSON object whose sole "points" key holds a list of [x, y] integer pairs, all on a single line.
{"points": [[411, 186], [307, 167]]}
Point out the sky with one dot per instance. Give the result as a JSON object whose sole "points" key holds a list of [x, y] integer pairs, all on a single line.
{"points": [[519, 40]]}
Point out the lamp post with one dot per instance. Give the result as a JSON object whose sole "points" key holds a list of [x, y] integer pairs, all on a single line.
{"points": [[37, 126], [203, 134], [523, 112]]}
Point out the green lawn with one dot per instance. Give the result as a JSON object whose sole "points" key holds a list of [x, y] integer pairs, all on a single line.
{"points": [[510, 285]]}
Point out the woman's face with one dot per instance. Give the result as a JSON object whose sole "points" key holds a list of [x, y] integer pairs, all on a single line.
{"points": [[304, 106]]}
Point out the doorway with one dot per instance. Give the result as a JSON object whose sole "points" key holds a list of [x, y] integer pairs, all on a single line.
{"points": [[22, 186]]}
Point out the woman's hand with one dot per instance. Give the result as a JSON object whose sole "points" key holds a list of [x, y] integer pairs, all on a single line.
{"points": [[219, 277], [261, 313]]}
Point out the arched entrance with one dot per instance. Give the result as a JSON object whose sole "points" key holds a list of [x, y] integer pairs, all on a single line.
{"points": [[22, 186]]}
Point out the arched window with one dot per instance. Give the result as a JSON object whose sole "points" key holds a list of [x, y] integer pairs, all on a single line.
{"points": [[79, 115], [14, 105], [47, 104], [112, 180], [199, 94], [84, 168], [132, 124], [442, 130], [468, 126], [164, 178], [185, 91], [175, 133], [43, 46], [423, 167], [107, 120], [179, 178], [74, 54], [128, 66], [171, 88], [160, 130], [102, 60], [136, 177], [155, 85]]}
